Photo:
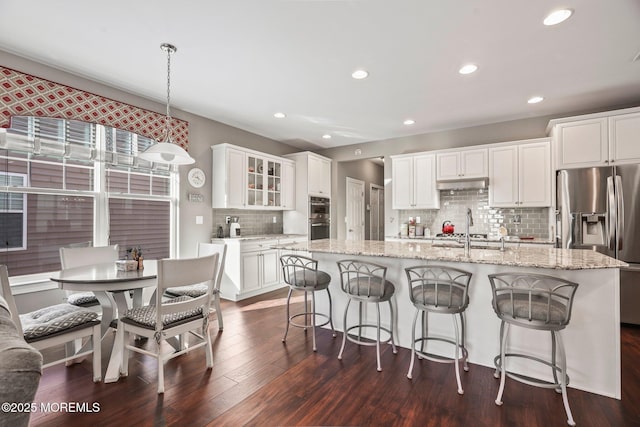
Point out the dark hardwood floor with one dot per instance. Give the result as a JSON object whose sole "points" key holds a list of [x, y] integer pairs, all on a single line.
{"points": [[256, 380]]}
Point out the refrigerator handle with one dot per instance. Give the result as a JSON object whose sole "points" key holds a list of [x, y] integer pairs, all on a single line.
{"points": [[611, 211], [620, 209]]}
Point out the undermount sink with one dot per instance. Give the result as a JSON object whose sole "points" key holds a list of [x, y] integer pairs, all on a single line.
{"points": [[461, 246]]}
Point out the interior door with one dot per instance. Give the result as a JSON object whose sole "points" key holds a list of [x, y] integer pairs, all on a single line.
{"points": [[355, 209]]}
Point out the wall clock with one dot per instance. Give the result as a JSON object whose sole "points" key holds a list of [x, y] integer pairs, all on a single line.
{"points": [[196, 177]]}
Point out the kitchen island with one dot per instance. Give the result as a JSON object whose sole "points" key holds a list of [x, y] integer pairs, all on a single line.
{"points": [[592, 339]]}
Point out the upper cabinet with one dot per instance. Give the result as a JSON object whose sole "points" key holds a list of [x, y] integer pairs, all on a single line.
{"points": [[414, 182], [319, 175], [247, 179], [597, 140], [462, 164], [520, 174]]}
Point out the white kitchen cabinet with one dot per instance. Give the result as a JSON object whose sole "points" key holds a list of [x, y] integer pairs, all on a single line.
{"points": [[462, 164], [288, 185], [312, 178], [520, 174], [624, 138], [252, 267], [414, 182], [319, 176], [248, 179], [597, 139], [581, 143], [228, 178]]}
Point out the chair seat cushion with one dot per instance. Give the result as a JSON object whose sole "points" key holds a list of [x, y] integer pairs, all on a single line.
{"points": [[192, 291], [83, 299], [427, 296], [55, 319], [540, 309], [146, 316], [307, 279], [371, 287]]}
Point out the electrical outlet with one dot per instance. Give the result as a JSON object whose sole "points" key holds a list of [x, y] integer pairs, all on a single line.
{"points": [[227, 219], [275, 219]]}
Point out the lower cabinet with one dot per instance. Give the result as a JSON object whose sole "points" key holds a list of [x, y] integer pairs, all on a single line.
{"points": [[252, 267]]}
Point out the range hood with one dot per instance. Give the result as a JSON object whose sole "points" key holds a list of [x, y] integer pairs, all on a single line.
{"points": [[463, 184]]}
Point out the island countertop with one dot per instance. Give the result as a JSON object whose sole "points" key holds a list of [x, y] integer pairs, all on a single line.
{"points": [[538, 257]]}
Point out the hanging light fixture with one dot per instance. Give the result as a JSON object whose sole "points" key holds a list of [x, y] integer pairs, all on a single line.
{"points": [[166, 151]]}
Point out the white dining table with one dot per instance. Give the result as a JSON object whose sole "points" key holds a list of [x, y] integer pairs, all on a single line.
{"points": [[110, 287]]}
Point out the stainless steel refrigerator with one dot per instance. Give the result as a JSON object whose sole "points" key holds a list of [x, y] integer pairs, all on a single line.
{"points": [[599, 209]]}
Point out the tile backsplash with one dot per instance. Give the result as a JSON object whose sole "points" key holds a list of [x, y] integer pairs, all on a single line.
{"points": [[251, 222], [453, 207]]}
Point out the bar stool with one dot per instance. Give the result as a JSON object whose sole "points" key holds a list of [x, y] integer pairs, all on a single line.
{"points": [[439, 290], [366, 283], [302, 274], [540, 302]]}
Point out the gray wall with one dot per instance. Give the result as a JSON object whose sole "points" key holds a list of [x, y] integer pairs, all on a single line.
{"points": [[364, 170], [203, 133]]}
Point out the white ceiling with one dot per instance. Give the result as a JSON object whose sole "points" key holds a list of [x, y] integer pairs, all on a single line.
{"points": [[238, 62]]}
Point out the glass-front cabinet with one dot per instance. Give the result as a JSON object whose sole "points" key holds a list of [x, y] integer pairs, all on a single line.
{"points": [[264, 182], [247, 179]]}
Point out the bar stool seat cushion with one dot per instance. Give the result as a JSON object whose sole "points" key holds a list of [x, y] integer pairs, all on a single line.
{"points": [[426, 295], [146, 316], [307, 279], [58, 318], [371, 287], [542, 309]]}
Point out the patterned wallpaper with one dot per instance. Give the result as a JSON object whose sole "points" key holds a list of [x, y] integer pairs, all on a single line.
{"points": [[26, 95]]}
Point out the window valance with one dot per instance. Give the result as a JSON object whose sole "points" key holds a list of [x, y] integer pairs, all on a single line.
{"points": [[27, 95]]}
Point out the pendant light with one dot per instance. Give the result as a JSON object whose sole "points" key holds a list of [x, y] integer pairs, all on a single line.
{"points": [[166, 151]]}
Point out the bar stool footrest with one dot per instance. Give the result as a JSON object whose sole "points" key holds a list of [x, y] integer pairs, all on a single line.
{"points": [[355, 339], [292, 322], [529, 380], [436, 357]]}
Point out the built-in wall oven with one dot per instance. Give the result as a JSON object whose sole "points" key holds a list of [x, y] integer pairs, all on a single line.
{"points": [[319, 218]]}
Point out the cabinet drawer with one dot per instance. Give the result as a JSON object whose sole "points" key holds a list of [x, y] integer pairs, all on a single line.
{"points": [[258, 245]]}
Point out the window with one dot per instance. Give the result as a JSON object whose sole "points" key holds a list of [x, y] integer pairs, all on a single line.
{"points": [[13, 213], [64, 182]]}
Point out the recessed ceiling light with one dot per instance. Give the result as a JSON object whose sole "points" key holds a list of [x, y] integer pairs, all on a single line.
{"points": [[326, 136], [468, 69], [409, 122], [279, 115], [557, 16], [535, 99], [360, 74]]}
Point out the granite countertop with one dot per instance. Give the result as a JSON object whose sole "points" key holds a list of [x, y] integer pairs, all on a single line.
{"points": [[263, 237], [539, 257], [509, 240]]}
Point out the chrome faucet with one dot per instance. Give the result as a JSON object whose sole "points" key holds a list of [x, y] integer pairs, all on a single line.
{"points": [[467, 236]]}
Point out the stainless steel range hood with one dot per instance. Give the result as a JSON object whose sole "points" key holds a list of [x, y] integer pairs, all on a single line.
{"points": [[463, 184]]}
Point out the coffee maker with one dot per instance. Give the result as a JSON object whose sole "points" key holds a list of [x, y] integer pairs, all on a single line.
{"points": [[234, 228]]}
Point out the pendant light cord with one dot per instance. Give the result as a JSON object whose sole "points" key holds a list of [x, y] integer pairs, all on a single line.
{"points": [[169, 49]]}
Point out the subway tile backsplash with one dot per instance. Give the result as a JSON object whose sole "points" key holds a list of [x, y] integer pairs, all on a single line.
{"points": [[251, 222], [532, 222]]}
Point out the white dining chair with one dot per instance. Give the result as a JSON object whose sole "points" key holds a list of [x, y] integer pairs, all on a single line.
{"points": [[56, 325], [80, 255], [200, 289], [164, 319]]}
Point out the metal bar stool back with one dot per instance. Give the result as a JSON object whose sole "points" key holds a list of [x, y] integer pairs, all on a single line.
{"points": [[366, 283], [540, 302], [301, 273], [441, 290]]}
